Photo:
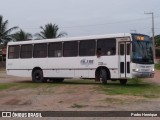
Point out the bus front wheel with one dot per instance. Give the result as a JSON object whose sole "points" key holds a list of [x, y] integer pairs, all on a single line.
{"points": [[37, 76]]}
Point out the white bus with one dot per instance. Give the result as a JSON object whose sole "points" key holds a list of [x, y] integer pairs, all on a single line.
{"points": [[103, 57]]}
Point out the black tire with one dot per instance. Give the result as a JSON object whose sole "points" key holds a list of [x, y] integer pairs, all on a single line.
{"points": [[123, 81], [103, 76], [37, 76]]}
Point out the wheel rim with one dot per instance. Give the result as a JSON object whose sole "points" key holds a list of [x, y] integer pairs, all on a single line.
{"points": [[103, 76], [38, 77]]}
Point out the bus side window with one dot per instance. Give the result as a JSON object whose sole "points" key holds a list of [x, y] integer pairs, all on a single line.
{"points": [[26, 51], [40, 50], [128, 48], [70, 49], [99, 52], [55, 49], [87, 48], [108, 46], [13, 52], [122, 49]]}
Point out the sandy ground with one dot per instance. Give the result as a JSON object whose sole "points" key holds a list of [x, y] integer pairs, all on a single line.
{"points": [[156, 78], [82, 97]]}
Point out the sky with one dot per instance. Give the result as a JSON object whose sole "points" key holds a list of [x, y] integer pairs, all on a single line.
{"points": [[83, 17]]}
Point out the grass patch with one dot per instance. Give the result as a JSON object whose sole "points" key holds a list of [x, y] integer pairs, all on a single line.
{"points": [[79, 82], [4, 86], [157, 66], [114, 100], [78, 106], [135, 87], [35, 85]]}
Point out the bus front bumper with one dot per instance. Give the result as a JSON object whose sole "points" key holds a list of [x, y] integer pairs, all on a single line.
{"points": [[143, 74]]}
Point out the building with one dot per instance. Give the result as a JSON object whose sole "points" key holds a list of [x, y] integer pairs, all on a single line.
{"points": [[2, 56]]}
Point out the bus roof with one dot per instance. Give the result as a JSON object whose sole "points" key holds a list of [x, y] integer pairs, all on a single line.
{"points": [[71, 38]]}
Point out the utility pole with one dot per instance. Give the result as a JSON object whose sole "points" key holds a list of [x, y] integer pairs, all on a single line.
{"points": [[154, 50]]}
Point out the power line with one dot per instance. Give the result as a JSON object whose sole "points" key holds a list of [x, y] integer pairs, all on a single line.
{"points": [[92, 25], [125, 21]]}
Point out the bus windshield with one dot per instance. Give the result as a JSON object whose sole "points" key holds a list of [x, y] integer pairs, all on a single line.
{"points": [[142, 49]]}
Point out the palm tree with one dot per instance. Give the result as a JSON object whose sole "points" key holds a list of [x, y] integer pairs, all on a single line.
{"points": [[22, 36], [5, 34], [50, 31]]}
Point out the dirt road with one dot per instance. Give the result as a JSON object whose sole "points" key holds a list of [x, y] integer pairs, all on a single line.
{"points": [[80, 97]]}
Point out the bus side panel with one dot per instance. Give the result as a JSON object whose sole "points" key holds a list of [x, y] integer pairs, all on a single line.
{"points": [[110, 62], [20, 73], [56, 73], [91, 73], [66, 67], [19, 67], [82, 67], [81, 73]]}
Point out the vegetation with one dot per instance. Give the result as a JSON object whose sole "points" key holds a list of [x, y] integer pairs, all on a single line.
{"points": [[5, 86], [78, 106], [47, 32], [157, 66], [5, 34], [50, 31], [22, 36], [157, 40], [135, 87]]}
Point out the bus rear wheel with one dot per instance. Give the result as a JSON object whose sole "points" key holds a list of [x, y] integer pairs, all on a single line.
{"points": [[103, 76], [123, 81], [37, 76]]}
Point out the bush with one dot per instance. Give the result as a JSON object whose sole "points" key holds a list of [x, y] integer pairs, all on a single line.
{"points": [[157, 66], [158, 53]]}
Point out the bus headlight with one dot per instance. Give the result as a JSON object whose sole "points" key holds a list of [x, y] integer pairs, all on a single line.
{"points": [[135, 70], [153, 70]]}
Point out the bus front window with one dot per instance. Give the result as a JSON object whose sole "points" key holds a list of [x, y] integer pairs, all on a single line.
{"points": [[142, 52]]}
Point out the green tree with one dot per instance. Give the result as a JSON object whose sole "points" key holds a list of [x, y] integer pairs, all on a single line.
{"points": [[5, 34], [22, 36], [50, 31], [157, 40]]}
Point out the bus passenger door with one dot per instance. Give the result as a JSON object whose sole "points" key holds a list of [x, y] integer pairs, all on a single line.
{"points": [[124, 59]]}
